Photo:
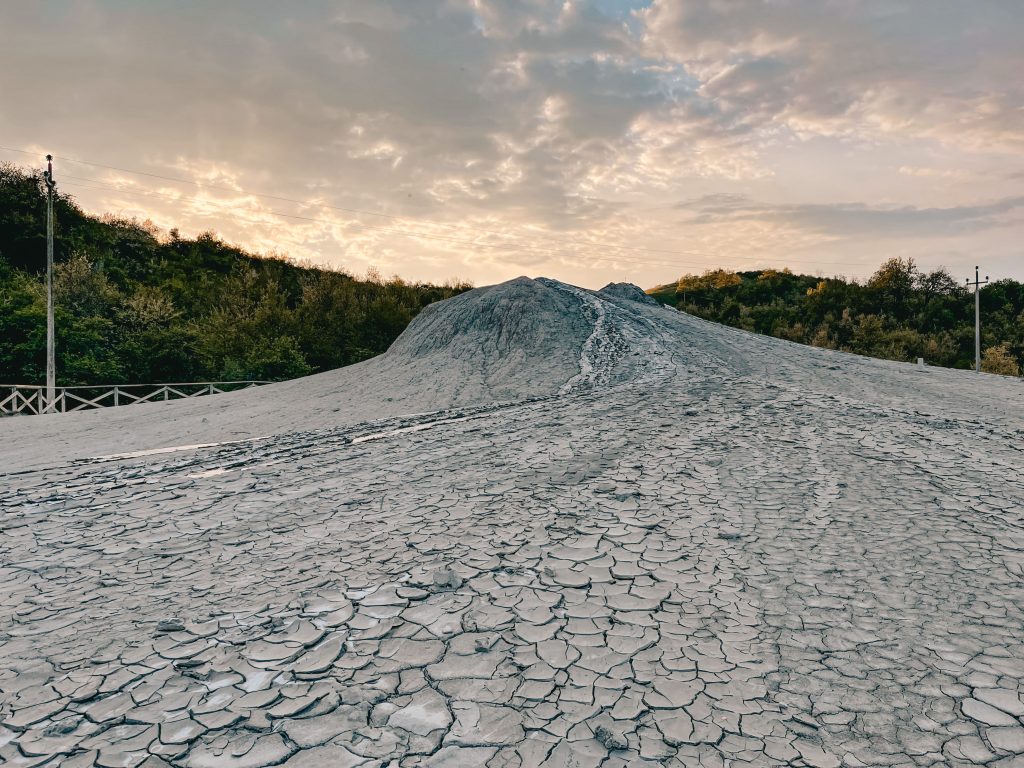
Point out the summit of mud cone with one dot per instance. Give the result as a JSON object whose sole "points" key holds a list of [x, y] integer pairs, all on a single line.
{"points": [[627, 291], [521, 319], [502, 342]]}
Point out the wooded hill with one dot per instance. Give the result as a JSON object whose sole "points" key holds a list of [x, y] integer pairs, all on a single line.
{"points": [[135, 306], [900, 313]]}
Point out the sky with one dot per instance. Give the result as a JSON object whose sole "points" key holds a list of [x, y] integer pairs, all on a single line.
{"points": [[589, 141]]}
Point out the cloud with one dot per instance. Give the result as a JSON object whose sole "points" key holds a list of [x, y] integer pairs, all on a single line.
{"points": [[942, 69], [934, 173], [858, 219], [513, 133]]}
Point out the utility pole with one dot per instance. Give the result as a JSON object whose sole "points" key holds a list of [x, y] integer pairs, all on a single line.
{"points": [[977, 317], [51, 359]]}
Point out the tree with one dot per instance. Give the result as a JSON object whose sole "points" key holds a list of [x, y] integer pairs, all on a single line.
{"points": [[892, 285], [899, 313]]}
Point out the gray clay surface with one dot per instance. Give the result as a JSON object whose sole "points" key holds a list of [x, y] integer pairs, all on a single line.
{"points": [[550, 527]]}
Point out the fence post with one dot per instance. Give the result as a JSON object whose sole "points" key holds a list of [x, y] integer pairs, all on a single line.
{"points": [[211, 389], [117, 396], [165, 393]]}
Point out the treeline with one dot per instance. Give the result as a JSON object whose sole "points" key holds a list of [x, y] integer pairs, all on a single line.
{"points": [[135, 306], [900, 313]]}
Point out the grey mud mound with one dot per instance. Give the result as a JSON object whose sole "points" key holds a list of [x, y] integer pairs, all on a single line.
{"points": [[551, 527], [516, 341], [627, 291], [506, 322]]}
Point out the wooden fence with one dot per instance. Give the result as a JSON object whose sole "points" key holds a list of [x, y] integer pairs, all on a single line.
{"points": [[30, 399]]}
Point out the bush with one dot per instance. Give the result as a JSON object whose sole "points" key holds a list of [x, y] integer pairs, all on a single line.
{"points": [[999, 360]]}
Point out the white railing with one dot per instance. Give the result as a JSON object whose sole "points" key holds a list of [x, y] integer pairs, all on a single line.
{"points": [[18, 399]]}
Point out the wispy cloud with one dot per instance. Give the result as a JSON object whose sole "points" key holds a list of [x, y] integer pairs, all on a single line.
{"points": [[858, 219]]}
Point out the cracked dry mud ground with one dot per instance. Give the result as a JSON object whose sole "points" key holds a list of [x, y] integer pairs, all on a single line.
{"points": [[722, 551]]}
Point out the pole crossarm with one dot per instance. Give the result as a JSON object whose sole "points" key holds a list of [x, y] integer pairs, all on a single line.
{"points": [[34, 399]]}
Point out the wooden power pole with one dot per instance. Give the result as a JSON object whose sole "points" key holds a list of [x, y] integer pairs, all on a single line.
{"points": [[51, 358], [977, 317]]}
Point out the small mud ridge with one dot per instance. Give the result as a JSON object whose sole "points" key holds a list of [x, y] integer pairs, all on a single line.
{"points": [[596, 356]]}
